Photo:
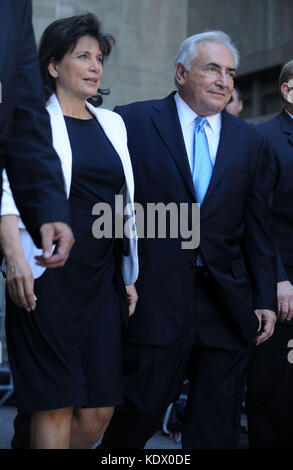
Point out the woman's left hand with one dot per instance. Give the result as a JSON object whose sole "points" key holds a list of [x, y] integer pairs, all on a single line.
{"points": [[132, 298]]}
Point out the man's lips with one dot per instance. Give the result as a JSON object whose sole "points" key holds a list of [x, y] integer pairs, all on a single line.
{"points": [[218, 93]]}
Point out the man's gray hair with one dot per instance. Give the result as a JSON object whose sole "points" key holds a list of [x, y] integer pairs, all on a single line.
{"points": [[187, 52], [286, 73]]}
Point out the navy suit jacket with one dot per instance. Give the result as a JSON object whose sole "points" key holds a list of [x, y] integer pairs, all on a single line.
{"points": [[236, 244], [32, 165], [279, 133]]}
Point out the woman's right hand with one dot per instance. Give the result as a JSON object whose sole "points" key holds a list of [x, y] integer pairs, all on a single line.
{"points": [[19, 277], [20, 283]]}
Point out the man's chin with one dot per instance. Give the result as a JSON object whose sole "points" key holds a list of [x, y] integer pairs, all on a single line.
{"points": [[216, 109]]}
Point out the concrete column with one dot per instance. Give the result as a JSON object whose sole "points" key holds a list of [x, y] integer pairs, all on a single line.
{"points": [[148, 34]]}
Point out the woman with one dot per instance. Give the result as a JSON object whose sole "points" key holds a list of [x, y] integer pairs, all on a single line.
{"points": [[65, 354]]}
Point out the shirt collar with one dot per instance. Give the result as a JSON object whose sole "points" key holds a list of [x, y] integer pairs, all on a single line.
{"points": [[291, 115], [187, 115]]}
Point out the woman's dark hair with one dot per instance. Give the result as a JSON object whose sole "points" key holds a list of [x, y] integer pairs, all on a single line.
{"points": [[61, 36]]}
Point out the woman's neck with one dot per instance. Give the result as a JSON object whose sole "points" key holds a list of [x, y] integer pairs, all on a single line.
{"points": [[75, 108]]}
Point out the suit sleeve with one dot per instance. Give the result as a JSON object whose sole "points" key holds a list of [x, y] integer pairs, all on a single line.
{"points": [[32, 165], [281, 271], [258, 240]]}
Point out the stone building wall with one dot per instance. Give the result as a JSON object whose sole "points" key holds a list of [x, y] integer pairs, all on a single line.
{"points": [[262, 30], [148, 33]]}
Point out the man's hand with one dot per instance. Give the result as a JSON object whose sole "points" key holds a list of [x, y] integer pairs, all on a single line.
{"points": [[285, 300], [60, 234], [132, 298], [267, 320], [20, 283]]}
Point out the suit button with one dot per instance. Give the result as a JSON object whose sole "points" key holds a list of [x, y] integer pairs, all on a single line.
{"points": [[192, 265]]}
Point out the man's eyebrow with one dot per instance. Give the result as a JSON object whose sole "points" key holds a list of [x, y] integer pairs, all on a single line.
{"points": [[233, 69]]}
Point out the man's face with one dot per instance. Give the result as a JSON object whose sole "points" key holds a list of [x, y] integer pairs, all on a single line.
{"points": [[287, 93], [208, 86], [235, 106]]}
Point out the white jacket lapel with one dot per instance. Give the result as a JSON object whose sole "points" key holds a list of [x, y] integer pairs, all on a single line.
{"points": [[61, 140], [114, 129]]}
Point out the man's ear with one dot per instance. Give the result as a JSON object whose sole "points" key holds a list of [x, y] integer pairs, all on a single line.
{"points": [[285, 90], [53, 68], [180, 74]]}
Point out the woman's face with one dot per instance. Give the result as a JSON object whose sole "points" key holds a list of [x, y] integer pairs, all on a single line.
{"points": [[78, 74]]}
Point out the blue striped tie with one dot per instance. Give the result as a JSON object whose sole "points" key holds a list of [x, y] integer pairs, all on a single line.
{"points": [[203, 167]]}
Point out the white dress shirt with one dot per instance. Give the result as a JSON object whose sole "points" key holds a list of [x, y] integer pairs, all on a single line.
{"points": [[212, 129], [187, 120]]}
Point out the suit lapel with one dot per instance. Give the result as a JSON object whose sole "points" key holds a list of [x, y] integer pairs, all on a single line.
{"points": [[166, 121], [60, 139], [164, 117], [287, 125], [229, 139]]}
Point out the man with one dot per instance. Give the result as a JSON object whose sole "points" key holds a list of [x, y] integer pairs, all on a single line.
{"points": [[235, 105], [26, 151], [270, 385], [198, 310]]}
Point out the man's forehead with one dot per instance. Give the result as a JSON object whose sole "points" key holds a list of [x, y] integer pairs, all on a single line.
{"points": [[213, 51]]}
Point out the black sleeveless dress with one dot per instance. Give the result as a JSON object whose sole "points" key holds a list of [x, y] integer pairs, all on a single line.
{"points": [[68, 351]]}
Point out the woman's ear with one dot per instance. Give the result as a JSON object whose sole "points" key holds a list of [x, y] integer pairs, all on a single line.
{"points": [[53, 68]]}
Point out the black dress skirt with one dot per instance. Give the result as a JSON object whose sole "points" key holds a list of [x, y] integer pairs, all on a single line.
{"points": [[68, 351]]}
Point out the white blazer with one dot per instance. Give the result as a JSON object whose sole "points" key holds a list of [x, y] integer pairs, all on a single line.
{"points": [[115, 130]]}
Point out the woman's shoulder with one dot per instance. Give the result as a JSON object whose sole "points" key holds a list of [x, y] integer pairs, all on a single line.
{"points": [[105, 115]]}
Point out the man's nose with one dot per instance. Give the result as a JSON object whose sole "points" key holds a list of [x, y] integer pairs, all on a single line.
{"points": [[222, 79]]}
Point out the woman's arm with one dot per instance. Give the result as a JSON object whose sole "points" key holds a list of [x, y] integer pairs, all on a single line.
{"points": [[19, 277]]}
